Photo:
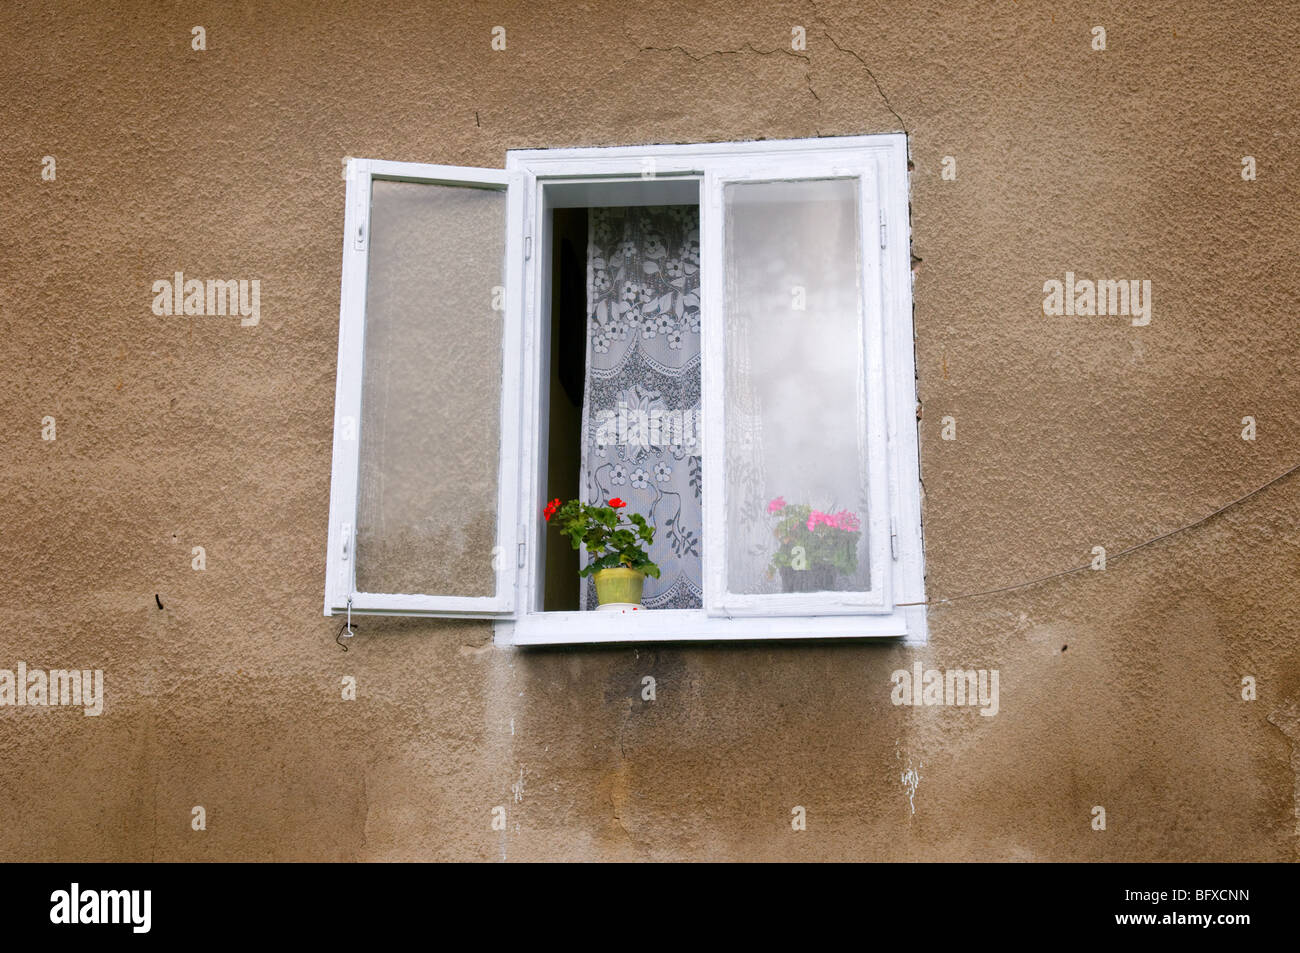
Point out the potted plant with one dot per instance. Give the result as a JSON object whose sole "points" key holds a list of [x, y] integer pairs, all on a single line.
{"points": [[614, 540], [814, 547]]}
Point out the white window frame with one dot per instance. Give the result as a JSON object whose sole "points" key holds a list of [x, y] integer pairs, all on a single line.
{"points": [[535, 178]]}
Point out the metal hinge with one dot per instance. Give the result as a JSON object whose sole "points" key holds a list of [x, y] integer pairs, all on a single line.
{"points": [[361, 206], [345, 545], [882, 228], [528, 247], [521, 555], [893, 538]]}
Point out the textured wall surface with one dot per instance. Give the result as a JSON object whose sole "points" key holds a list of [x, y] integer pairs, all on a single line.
{"points": [[1120, 689]]}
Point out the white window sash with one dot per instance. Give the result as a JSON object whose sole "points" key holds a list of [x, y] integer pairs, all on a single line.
{"points": [[340, 574], [718, 600]]}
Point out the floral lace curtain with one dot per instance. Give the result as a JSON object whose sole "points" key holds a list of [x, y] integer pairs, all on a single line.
{"points": [[641, 406]]}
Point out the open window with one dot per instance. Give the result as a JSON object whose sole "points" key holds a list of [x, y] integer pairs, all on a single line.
{"points": [[422, 509], [720, 334]]}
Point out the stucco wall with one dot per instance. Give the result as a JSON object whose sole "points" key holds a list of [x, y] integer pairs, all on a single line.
{"points": [[1120, 689]]}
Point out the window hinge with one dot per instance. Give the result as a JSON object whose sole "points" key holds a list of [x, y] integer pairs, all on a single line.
{"points": [[893, 538], [346, 544], [361, 208], [528, 247], [882, 228], [521, 555]]}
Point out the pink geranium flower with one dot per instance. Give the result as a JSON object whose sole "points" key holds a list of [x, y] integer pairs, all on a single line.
{"points": [[776, 505], [842, 520]]}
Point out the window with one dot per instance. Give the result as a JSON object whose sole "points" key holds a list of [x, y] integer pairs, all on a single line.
{"points": [[773, 352]]}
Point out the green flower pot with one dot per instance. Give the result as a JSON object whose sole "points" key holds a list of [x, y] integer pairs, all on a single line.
{"points": [[620, 584]]}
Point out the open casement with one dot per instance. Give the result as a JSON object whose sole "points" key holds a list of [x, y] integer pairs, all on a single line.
{"points": [[794, 386], [424, 493]]}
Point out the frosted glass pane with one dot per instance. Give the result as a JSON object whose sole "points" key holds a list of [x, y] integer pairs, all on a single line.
{"points": [[431, 391], [795, 421]]}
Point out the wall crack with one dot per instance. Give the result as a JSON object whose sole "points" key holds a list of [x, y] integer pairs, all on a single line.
{"points": [[1287, 720], [741, 51], [749, 48]]}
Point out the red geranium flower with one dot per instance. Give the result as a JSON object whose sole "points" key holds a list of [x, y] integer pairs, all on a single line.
{"points": [[551, 507], [617, 503]]}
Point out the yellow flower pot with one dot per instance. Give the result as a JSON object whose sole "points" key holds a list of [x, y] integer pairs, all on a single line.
{"points": [[621, 585]]}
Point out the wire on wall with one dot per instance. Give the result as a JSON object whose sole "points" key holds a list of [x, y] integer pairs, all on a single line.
{"points": [[1124, 552]]}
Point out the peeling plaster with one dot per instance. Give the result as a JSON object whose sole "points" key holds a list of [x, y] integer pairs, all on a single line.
{"points": [[910, 779]]}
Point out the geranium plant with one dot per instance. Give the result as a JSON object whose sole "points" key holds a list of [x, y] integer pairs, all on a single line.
{"points": [[812, 540], [612, 538]]}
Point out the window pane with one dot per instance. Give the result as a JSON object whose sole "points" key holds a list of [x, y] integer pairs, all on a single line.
{"points": [[796, 455], [431, 390]]}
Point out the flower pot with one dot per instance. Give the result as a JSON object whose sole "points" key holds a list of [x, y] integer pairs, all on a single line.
{"points": [[812, 579], [619, 585]]}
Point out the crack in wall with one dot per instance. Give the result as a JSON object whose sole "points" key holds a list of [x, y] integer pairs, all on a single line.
{"points": [[818, 18], [746, 48], [618, 790], [1287, 720], [879, 89], [798, 54]]}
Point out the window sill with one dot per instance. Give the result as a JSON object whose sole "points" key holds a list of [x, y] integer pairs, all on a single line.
{"points": [[693, 625]]}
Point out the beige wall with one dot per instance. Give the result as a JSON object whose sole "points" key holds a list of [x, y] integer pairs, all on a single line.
{"points": [[177, 432]]}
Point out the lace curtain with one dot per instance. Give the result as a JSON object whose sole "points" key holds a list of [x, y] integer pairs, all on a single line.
{"points": [[641, 405]]}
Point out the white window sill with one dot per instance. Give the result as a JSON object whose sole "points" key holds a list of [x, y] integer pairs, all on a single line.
{"points": [[693, 625]]}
